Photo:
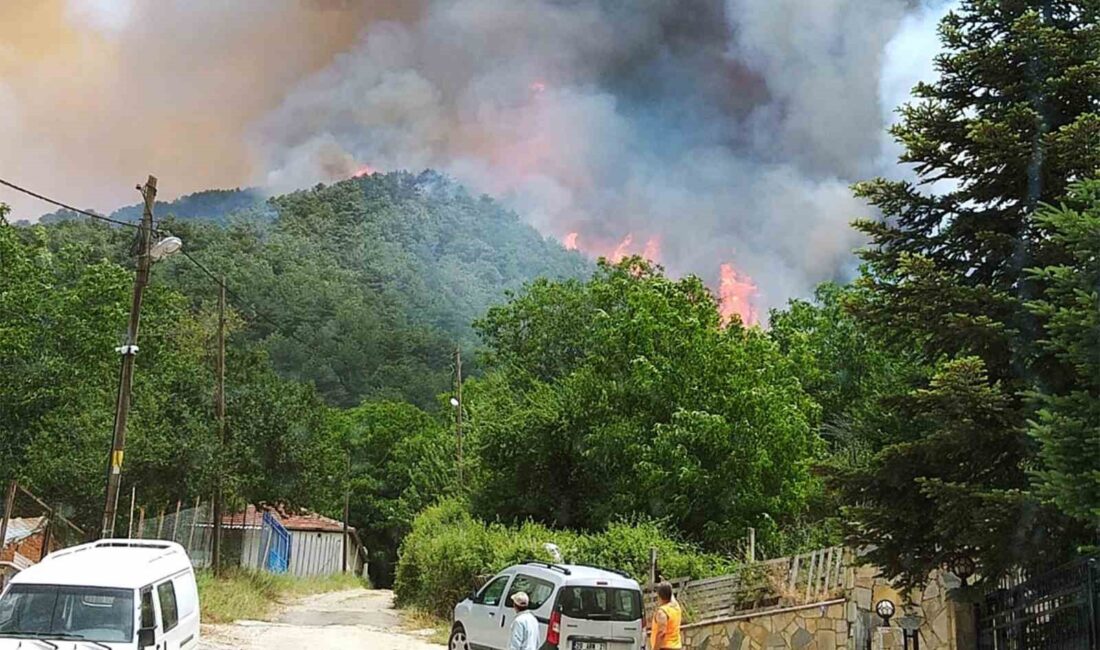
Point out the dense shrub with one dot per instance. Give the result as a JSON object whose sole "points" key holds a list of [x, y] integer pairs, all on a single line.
{"points": [[449, 553]]}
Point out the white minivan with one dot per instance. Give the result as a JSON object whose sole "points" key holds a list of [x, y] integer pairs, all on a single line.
{"points": [[577, 607], [114, 594]]}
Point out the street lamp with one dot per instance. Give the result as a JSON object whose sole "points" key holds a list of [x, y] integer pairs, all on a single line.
{"points": [[885, 608], [165, 247]]}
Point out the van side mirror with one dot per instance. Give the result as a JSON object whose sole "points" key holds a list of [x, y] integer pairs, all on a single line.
{"points": [[473, 596], [147, 637]]}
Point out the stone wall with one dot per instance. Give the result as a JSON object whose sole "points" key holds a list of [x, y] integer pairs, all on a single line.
{"points": [[821, 626], [847, 623]]}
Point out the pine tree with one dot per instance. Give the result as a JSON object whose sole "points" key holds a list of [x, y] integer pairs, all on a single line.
{"points": [[1067, 425], [1009, 124]]}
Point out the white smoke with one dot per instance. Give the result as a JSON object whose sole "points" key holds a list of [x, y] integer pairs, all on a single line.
{"points": [[728, 131]]}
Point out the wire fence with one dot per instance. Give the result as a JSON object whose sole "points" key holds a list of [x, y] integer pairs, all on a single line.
{"points": [[31, 529]]}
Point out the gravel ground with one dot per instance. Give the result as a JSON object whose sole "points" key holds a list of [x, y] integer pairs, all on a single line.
{"points": [[358, 618]]}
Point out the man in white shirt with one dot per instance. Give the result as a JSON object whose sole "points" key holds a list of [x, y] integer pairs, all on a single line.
{"points": [[525, 629]]}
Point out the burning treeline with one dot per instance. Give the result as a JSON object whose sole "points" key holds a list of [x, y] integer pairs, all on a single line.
{"points": [[736, 292]]}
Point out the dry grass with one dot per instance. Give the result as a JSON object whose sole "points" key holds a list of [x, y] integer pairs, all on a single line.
{"points": [[418, 619], [250, 595]]}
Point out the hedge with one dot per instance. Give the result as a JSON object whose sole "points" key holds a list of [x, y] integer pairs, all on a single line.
{"points": [[449, 553]]}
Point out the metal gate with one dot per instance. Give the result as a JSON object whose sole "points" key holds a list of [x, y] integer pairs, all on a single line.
{"points": [[1059, 610], [276, 540]]}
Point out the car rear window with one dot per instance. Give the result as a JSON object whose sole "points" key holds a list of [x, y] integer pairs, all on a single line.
{"points": [[601, 603], [539, 591]]}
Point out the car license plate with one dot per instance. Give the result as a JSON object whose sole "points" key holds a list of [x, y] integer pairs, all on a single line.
{"points": [[589, 645]]}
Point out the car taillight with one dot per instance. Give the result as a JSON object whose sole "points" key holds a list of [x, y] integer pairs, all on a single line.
{"points": [[553, 634]]}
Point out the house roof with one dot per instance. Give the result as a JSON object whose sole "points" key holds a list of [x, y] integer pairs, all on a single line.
{"points": [[302, 520], [20, 528]]}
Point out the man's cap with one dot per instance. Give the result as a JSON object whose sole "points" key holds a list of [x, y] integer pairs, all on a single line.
{"points": [[521, 598]]}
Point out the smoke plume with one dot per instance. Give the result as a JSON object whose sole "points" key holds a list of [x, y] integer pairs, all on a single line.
{"points": [[708, 132]]}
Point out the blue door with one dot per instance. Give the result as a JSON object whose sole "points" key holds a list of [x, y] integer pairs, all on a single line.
{"points": [[277, 539]]}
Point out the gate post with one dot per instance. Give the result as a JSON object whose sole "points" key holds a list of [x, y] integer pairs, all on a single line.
{"points": [[1094, 616], [9, 504]]}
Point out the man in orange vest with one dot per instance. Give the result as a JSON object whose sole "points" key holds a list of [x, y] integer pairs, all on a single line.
{"points": [[665, 633]]}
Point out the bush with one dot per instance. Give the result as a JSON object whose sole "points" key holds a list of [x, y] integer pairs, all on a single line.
{"points": [[449, 553]]}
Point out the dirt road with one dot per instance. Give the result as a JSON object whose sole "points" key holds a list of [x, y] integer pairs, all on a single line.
{"points": [[345, 619]]}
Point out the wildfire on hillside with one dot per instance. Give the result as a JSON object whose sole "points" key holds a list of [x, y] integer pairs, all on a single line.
{"points": [[737, 293], [364, 170]]}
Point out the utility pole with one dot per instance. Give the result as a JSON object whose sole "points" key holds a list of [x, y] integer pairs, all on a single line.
{"points": [[219, 413], [129, 351], [458, 413], [347, 508]]}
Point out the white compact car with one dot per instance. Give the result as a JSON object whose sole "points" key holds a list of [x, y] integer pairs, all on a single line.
{"points": [[115, 594], [578, 608]]}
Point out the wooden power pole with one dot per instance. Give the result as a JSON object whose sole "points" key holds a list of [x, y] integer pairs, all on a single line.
{"points": [[458, 414], [219, 414], [129, 351], [347, 509]]}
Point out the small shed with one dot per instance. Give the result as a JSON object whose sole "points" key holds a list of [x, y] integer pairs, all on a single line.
{"points": [[23, 545], [316, 541]]}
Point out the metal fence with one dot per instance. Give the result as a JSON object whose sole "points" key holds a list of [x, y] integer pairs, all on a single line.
{"points": [[247, 541], [1059, 610], [31, 529]]}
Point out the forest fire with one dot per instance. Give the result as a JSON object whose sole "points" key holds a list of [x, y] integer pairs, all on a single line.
{"points": [[735, 294], [364, 170]]}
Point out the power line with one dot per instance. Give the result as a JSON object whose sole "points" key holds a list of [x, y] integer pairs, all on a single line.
{"points": [[69, 207], [217, 279], [238, 300]]}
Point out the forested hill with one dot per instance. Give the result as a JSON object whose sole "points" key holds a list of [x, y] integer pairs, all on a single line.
{"points": [[363, 287]]}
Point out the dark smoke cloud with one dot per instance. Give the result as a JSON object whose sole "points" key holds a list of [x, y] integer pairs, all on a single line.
{"points": [[728, 130]]}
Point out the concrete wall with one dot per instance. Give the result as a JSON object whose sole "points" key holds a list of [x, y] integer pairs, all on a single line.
{"points": [[847, 623]]}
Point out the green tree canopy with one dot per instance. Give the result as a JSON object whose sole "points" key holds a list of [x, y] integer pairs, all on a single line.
{"points": [[624, 394], [61, 318], [1067, 424], [1010, 123], [402, 460]]}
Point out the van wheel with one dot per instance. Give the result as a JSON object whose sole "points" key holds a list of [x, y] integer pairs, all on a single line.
{"points": [[458, 639]]}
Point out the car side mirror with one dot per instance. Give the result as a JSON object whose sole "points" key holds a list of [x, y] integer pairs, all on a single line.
{"points": [[147, 637], [473, 596]]}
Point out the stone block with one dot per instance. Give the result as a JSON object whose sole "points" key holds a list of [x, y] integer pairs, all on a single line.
{"points": [[842, 628], [835, 612], [825, 639], [810, 624], [734, 638], [759, 634], [933, 589], [800, 639], [775, 642], [863, 597], [940, 625]]}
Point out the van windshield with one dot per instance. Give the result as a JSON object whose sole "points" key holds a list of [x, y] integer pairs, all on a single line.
{"points": [[57, 612], [601, 603]]}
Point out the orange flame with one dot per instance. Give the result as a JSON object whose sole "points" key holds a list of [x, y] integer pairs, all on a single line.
{"points": [[622, 250], [652, 250], [570, 241], [735, 296], [364, 170]]}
